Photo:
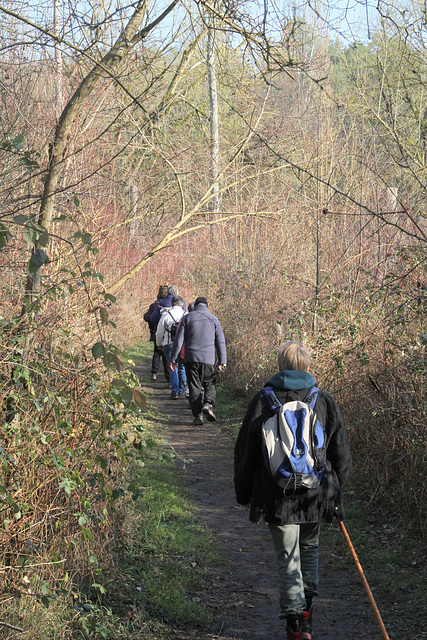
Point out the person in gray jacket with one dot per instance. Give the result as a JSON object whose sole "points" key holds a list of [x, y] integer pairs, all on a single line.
{"points": [[201, 334]]}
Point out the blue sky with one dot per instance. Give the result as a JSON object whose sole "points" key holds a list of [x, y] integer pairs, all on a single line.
{"points": [[350, 20]]}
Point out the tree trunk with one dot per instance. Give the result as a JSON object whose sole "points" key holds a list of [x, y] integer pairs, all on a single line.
{"points": [[129, 37], [213, 101]]}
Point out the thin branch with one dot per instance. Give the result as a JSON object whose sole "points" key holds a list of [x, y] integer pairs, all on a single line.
{"points": [[10, 626]]}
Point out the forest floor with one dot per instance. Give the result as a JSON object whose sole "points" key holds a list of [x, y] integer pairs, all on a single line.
{"points": [[243, 590]]}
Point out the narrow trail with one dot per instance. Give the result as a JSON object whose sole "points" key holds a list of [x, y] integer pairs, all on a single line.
{"points": [[244, 591]]}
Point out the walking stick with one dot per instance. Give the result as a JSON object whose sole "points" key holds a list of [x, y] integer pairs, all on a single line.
{"points": [[364, 581]]}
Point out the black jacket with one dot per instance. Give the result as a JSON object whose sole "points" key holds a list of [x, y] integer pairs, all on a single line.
{"points": [[253, 483]]}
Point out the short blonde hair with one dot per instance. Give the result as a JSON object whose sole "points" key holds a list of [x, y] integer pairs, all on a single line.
{"points": [[293, 356]]}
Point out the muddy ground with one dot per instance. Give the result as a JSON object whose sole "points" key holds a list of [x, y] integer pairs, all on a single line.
{"points": [[244, 590]]}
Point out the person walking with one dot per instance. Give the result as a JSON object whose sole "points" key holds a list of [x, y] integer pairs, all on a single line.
{"points": [[293, 517], [202, 336], [152, 325], [165, 303], [165, 334]]}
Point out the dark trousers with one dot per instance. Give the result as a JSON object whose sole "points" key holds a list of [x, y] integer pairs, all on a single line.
{"points": [[155, 363], [201, 385]]}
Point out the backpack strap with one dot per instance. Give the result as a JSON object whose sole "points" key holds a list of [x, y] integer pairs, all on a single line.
{"points": [[311, 397], [273, 401], [169, 329], [311, 401], [172, 316]]}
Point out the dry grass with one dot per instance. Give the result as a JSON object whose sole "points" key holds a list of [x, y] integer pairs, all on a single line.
{"points": [[368, 351]]}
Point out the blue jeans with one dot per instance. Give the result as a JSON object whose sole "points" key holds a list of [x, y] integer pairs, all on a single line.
{"points": [[297, 550], [177, 378]]}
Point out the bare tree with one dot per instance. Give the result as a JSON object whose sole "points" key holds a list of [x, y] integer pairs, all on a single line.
{"points": [[214, 124]]}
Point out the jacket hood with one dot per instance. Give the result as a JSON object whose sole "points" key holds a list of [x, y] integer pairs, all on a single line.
{"points": [[292, 380]]}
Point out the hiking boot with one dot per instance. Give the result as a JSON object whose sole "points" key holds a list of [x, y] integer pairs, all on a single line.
{"points": [[174, 395], [153, 377], [208, 412], [293, 627], [306, 624], [198, 419]]}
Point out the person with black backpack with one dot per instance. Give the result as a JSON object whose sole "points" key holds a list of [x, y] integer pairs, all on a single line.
{"points": [[298, 427], [165, 335], [152, 325]]}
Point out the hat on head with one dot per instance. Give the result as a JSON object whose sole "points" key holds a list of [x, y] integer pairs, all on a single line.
{"points": [[201, 300]]}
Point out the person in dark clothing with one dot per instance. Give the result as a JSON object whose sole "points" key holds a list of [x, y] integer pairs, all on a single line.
{"points": [[202, 336], [152, 324], [293, 520], [165, 303]]}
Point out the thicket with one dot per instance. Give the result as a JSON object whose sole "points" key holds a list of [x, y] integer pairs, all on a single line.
{"points": [[66, 398], [368, 347], [321, 237]]}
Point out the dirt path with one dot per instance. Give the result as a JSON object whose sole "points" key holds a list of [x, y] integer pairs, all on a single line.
{"points": [[244, 591]]}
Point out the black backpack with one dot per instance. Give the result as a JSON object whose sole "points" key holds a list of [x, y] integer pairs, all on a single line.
{"points": [[173, 328]]}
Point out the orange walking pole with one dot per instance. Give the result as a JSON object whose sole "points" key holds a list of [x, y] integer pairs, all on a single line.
{"points": [[364, 581]]}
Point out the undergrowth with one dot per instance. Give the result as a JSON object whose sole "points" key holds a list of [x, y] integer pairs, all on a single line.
{"points": [[99, 538], [151, 571]]}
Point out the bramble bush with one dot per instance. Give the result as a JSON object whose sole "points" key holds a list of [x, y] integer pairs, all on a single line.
{"points": [[69, 410]]}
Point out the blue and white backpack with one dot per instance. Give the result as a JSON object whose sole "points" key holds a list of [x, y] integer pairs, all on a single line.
{"points": [[294, 442]]}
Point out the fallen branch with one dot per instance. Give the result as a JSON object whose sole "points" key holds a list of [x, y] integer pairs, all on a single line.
{"points": [[10, 626]]}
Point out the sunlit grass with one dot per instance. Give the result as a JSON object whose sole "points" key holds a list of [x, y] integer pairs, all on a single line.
{"points": [[170, 553]]}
